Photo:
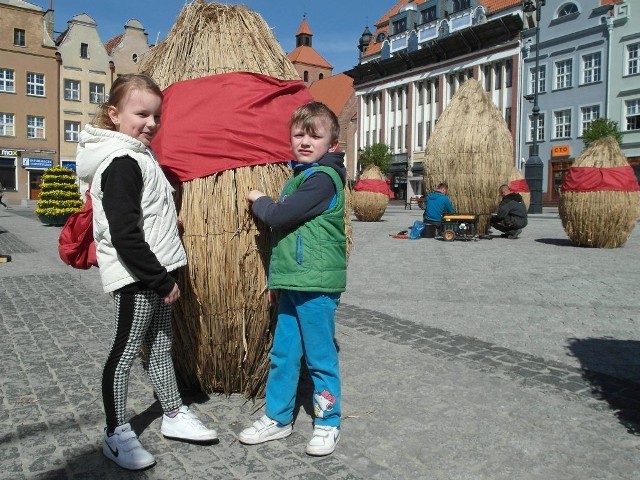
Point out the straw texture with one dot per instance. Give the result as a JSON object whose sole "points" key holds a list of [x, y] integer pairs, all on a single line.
{"points": [[472, 150], [602, 219], [211, 38], [369, 206]]}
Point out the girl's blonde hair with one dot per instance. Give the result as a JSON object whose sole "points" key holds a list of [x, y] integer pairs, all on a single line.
{"points": [[118, 93], [307, 115]]}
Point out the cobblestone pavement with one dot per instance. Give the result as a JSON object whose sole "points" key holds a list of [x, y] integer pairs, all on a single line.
{"points": [[490, 359]]}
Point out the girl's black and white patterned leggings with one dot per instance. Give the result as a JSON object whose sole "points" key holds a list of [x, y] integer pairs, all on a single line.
{"points": [[140, 317]]}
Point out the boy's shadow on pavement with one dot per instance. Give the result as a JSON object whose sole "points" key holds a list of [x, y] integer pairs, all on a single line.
{"points": [[612, 368]]}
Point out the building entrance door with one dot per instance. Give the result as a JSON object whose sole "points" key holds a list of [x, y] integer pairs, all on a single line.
{"points": [[35, 182], [559, 169]]}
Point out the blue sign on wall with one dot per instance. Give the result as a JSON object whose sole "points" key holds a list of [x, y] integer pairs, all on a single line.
{"points": [[32, 162], [71, 165]]}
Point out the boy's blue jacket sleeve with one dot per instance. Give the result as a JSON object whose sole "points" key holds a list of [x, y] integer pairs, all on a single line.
{"points": [[312, 198]]}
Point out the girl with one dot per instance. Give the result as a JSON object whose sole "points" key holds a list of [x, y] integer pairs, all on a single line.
{"points": [[138, 249]]}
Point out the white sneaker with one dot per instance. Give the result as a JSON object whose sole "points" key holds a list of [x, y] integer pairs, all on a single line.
{"points": [[324, 440], [124, 448], [186, 426], [263, 430]]}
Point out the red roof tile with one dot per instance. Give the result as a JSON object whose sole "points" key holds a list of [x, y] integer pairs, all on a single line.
{"points": [[112, 43], [308, 55], [304, 28], [333, 91]]}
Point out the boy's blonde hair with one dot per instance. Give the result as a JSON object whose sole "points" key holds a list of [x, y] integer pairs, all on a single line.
{"points": [[307, 115], [118, 93]]}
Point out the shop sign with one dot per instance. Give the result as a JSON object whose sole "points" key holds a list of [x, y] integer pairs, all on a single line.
{"points": [[33, 162], [560, 151], [9, 153], [69, 165]]}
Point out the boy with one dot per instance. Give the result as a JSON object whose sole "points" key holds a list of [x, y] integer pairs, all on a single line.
{"points": [[308, 269]]}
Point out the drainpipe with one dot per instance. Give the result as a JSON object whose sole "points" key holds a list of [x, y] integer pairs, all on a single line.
{"points": [[60, 126], [609, 35]]}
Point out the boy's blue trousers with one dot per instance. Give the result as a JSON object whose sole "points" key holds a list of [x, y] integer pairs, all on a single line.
{"points": [[305, 331]]}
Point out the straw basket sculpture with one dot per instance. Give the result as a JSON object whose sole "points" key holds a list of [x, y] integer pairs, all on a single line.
{"points": [[369, 199], [471, 149], [599, 199], [222, 322], [518, 184]]}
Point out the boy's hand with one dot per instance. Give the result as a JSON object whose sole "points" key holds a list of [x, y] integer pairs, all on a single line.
{"points": [[254, 195]]}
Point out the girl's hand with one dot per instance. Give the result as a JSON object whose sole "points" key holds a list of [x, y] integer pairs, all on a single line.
{"points": [[254, 195], [173, 295]]}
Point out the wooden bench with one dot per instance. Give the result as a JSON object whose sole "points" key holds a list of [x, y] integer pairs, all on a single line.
{"points": [[415, 200]]}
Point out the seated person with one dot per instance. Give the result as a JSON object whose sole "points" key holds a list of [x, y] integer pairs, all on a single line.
{"points": [[511, 217], [436, 204]]}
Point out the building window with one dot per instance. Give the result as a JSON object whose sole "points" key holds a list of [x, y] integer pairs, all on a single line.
{"points": [[72, 90], [71, 131], [460, 5], [19, 37], [7, 125], [563, 74], [321, 76], [568, 9], [633, 59], [380, 37], [399, 26], [305, 76], [542, 80], [401, 139], [591, 68], [562, 120], [392, 139], [419, 135], [428, 92], [507, 117], [508, 72], [539, 128], [84, 50], [429, 15], [96, 93], [632, 116], [134, 58], [588, 115], [35, 127], [35, 84], [7, 82]]}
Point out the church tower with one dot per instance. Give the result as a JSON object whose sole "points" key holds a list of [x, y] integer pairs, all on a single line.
{"points": [[309, 64]]}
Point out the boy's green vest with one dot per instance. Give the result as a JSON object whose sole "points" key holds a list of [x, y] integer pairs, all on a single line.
{"points": [[313, 256]]}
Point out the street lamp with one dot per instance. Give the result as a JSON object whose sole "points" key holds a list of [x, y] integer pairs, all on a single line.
{"points": [[533, 168]]}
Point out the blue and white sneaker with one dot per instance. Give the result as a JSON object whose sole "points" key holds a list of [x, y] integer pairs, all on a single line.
{"points": [[324, 440], [124, 448]]}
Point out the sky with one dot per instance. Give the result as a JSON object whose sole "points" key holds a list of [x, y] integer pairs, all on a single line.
{"points": [[336, 24]]}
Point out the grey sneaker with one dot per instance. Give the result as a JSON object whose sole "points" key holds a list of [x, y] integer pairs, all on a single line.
{"points": [[186, 426], [124, 448], [324, 440], [514, 234], [263, 430]]}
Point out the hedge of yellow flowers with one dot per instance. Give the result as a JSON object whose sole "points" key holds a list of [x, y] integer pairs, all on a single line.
{"points": [[59, 194]]}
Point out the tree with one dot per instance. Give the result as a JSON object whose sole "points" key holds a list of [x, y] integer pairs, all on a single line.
{"points": [[377, 154], [601, 127]]}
